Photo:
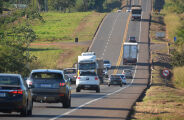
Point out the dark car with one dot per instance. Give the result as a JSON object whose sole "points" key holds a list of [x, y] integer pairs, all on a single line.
{"points": [[115, 80], [71, 73], [132, 39], [15, 96], [50, 86]]}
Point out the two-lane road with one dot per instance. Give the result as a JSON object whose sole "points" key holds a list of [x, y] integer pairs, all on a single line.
{"points": [[112, 102]]}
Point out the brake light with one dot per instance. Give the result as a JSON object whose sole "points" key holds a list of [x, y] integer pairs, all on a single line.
{"points": [[78, 77], [17, 92], [61, 84], [96, 78]]}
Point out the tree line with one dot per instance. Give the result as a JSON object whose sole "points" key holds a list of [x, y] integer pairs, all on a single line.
{"points": [[61, 5]]}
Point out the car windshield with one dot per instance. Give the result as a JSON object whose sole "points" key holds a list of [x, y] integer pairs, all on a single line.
{"points": [[106, 62], [70, 71], [87, 74], [87, 66], [44, 75], [9, 80], [127, 70]]}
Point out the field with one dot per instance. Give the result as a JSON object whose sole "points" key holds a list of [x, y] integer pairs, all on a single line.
{"points": [[55, 47]]}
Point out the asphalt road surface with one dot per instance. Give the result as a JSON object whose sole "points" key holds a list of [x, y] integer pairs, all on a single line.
{"points": [[114, 102]]}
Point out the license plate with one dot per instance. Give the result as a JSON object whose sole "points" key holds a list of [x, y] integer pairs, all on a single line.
{"points": [[46, 85], [2, 95]]}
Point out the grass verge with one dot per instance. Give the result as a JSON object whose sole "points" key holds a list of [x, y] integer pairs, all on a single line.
{"points": [[162, 101], [59, 31]]}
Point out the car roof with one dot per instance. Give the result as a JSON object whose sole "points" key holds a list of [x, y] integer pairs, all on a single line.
{"points": [[8, 74], [47, 70]]}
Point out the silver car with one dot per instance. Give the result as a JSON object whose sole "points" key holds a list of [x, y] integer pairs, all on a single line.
{"points": [[128, 73], [71, 73]]}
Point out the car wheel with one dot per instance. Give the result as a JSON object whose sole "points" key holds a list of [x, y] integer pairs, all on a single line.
{"points": [[67, 102], [109, 85], [77, 89], [98, 90], [120, 85], [24, 112]]}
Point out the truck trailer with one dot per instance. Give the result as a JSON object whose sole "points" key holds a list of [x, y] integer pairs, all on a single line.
{"points": [[130, 51]]}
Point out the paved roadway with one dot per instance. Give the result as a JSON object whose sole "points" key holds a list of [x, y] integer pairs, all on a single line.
{"points": [[113, 102]]}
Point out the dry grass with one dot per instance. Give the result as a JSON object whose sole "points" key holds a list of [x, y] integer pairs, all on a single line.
{"points": [[178, 78], [162, 101]]}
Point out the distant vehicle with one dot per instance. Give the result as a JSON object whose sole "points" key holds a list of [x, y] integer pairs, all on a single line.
{"points": [[130, 51], [132, 39], [107, 64], [128, 73], [118, 10], [136, 12], [128, 9], [123, 77], [15, 96], [88, 81], [71, 73], [115, 80], [105, 71], [50, 86]]}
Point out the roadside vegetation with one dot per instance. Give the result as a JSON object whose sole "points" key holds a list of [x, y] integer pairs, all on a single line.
{"points": [[164, 99], [41, 35]]}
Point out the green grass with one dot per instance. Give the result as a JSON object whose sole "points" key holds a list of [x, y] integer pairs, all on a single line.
{"points": [[178, 78], [173, 22], [58, 26], [47, 56]]}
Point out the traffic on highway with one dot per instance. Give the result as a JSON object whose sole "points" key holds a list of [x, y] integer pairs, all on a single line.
{"points": [[105, 84]]}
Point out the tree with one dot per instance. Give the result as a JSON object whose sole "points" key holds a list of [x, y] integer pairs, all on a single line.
{"points": [[13, 47], [1, 6]]}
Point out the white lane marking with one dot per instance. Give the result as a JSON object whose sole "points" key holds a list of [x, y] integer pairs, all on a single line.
{"points": [[130, 84], [110, 34]]}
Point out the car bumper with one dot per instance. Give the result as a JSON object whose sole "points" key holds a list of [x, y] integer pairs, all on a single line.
{"points": [[13, 105], [88, 87], [49, 98]]}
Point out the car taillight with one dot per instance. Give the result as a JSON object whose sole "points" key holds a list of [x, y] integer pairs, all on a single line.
{"points": [[17, 92], [78, 78], [61, 84], [96, 78]]}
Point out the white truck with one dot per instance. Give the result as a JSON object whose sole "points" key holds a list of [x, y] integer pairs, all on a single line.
{"points": [[88, 62], [136, 11], [130, 51]]}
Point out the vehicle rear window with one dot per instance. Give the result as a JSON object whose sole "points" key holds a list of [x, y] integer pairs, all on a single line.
{"points": [[87, 74], [49, 75], [115, 77], [9, 80], [70, 71]]}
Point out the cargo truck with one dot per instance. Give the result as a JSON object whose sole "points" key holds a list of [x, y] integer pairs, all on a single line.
{"points": [[88, 62], [130, 51], [136, 12]]}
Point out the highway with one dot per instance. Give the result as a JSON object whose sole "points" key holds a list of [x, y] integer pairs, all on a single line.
{"points": [[114, 102]]}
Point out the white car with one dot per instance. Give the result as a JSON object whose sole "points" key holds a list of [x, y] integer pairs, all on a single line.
{"points": [[128, 10], [107, 64], [123, 78], [87, 81], [128, 73]]}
